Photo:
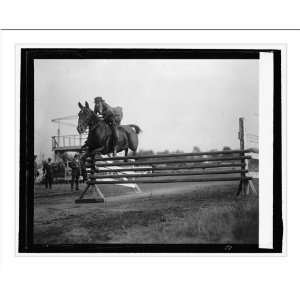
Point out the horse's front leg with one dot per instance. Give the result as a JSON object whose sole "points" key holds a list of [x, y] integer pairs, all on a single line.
{"points": [[84, 156]]}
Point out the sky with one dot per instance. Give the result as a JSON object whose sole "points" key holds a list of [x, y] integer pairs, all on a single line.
{"points": [[178, 104]]}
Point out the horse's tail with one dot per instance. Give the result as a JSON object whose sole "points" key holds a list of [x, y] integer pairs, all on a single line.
{"points": [[136, 128]]}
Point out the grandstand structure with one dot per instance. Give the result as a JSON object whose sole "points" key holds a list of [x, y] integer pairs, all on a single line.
{"points": [[66, 143]]}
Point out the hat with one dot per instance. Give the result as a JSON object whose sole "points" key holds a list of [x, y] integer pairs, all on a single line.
{"points": [[98, 99]]}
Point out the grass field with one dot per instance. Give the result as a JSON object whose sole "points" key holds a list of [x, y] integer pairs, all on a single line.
{"points": [[163, 213]]}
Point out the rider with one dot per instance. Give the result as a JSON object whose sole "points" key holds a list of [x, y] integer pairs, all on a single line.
{"points": [[111, 115]]}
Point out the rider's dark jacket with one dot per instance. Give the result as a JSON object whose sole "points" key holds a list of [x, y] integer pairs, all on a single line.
{"points": [[110, 114]]}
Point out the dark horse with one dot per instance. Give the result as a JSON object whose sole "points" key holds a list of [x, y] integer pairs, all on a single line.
{"points": [[100, 138]]}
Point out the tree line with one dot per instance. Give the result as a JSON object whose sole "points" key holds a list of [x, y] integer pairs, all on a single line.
{"points": [[196, 149]]}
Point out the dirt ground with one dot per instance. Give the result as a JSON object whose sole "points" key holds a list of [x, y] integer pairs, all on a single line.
{"points": [[161, 213]]}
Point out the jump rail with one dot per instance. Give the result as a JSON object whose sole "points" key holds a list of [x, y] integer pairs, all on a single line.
{"points": [[173, 180], [137, 157], [223, 166], [158, 168], [160, 162]]}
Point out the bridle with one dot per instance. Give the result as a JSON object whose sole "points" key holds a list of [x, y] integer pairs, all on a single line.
{"points": [[88, 123]]}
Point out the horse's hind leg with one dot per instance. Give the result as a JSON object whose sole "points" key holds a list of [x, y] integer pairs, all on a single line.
{"points": [[126, 154]]}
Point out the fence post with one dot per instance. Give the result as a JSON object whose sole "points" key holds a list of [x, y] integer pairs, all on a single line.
{"points": [[93, 168], [242, 186], [99, 197]]}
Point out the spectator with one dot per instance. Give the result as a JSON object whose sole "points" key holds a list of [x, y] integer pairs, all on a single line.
{"points": [[48, 173], [75, 166]]}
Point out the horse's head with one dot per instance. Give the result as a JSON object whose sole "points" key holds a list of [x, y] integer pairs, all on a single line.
{"points": [[85, 117]]}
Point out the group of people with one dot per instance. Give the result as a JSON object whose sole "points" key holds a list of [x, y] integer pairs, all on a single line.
{"points": [[48, 172]]}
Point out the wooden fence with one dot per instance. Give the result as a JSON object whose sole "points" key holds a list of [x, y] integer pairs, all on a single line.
{"points": [[170, 168]]}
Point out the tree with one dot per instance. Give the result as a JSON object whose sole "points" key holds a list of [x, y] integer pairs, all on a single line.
{"points": [[145, 153], [163, 152], [179, 151], [212, 153], [226, 148], [196, 149]]}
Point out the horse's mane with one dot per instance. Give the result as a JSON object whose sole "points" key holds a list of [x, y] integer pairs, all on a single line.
{"points": [[95, 119]]}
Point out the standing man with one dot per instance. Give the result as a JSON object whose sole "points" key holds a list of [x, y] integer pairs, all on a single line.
{"points": [[75, 166], [48, 173]]}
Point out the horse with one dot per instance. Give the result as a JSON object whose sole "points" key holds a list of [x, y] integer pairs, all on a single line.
{"points": [[100, 136]]}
